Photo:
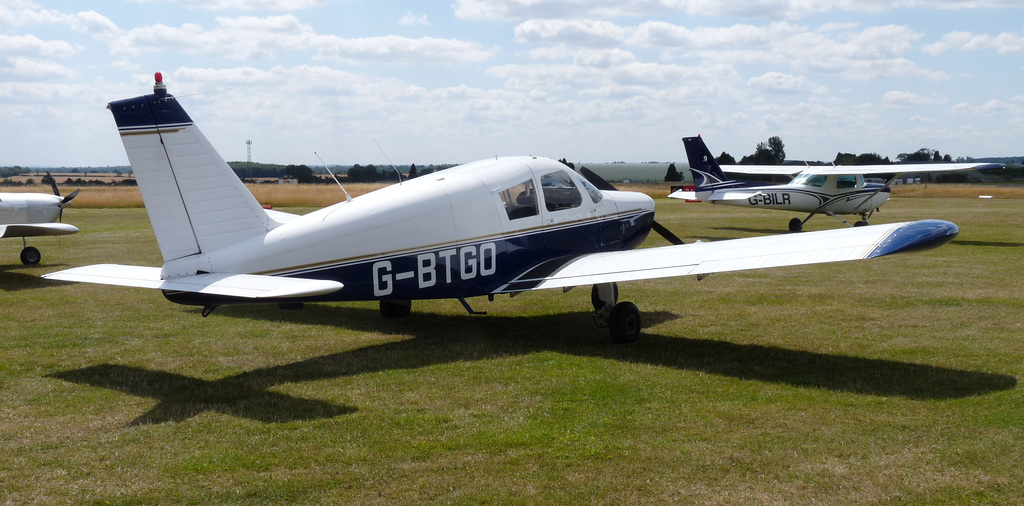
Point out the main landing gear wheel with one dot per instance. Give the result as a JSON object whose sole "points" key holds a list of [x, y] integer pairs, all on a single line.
{"points": [[624, 322], [395, 308], [861, 223], [796, 225], [30, 256]]}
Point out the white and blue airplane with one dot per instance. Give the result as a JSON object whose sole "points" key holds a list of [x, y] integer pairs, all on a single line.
{"points": [[32, 215], [495, 226], [830, 190]]}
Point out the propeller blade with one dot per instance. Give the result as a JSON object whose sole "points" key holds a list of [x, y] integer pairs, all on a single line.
{"points": [[70, 196], [596, 180], [666, 233], [53, 184]]}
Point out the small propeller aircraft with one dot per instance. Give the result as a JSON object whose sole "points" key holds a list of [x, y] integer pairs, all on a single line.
{"points": [[495, 226], [830, 190], [33, 214]]}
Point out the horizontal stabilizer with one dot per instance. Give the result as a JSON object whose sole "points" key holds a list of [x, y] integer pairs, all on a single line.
{"points": [[253, 286], [683, 195], [739, 254], [37, 229]]}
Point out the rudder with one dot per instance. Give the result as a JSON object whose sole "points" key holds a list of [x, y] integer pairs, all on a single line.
{"points": [[703, 167], [195, 202]]}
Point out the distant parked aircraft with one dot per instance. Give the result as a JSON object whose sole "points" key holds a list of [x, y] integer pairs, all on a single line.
{"points": [[831, 190], [33, 214]]}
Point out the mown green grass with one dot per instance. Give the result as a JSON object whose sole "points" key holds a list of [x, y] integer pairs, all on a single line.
{"points": [[891, 380]]}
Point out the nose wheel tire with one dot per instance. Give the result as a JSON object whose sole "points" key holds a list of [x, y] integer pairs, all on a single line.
{"points": [[796, 225], [30, 256], [624, 322]]}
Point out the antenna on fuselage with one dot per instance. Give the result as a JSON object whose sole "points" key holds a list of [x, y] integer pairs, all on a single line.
{"points": [[348, 198], [389, 161]]}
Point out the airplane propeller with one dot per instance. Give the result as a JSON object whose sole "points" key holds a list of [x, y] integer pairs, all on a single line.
{"points": [[53, 183], [602, 184], [63, 201]]}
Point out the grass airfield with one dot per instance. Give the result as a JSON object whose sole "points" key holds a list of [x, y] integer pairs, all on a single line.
{"points": [[889, 380]]}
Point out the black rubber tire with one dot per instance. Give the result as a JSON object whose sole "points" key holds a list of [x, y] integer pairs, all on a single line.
{"points": [[624, 323], [596, 300], [395, 308], [861, 223], [30, 256], [795, 225]]}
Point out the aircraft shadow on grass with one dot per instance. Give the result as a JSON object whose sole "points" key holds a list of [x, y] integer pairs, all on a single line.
{"points": [[441, 339], [988, 243], [15, 281]]}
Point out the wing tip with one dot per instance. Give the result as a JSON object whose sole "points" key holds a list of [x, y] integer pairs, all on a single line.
{"points": [[916, 236]]}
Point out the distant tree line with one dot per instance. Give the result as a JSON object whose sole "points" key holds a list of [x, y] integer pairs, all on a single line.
{"points": [[305, 174]]}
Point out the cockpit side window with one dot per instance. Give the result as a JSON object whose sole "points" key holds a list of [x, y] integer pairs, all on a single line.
{"points": [[817, 180], [559, 191], [595, 194], [520, 200]]}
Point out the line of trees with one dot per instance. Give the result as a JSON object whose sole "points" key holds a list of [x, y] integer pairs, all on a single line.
{"points": [[773, 152]]}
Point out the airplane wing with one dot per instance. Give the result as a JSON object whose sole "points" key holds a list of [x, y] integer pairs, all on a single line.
{"points": [[898, 168], [736, 254], [253, 286], [780, 170], [36, 229]]}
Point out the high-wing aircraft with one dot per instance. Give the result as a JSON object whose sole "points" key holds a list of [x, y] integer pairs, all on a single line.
{"points": [[830, 190], [495, 226], [34, 214]]}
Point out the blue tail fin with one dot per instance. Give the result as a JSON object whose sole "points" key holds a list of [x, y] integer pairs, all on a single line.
{"points": [[703, 167]]}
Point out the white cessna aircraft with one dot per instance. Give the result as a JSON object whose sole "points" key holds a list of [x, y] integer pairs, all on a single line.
{"points": [[33, 214], [830, 190], [496, 226]]}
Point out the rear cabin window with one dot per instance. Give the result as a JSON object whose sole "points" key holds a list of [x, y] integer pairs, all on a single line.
{"points": [[560, 192], [849, 181], [520, 200]]}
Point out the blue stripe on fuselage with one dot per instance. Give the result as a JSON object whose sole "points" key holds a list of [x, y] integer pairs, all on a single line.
{"points": [[468, 269]]}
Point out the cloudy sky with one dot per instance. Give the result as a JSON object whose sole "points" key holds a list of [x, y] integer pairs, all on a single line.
{"points": [[459, 80]]}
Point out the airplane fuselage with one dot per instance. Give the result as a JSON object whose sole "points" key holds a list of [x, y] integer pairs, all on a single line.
{"points": [[462, 232], [826, 198], [23, 208]]}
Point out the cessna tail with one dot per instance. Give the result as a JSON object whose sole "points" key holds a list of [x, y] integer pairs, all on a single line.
{"points": [[496, 226]]}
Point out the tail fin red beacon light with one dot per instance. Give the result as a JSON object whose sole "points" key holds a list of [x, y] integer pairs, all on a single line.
{"points": [[496, 226]]}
